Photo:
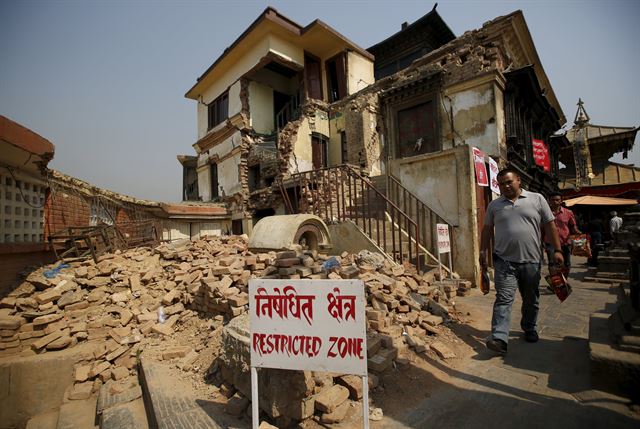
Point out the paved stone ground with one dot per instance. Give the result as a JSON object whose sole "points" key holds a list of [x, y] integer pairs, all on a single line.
{"points": [[172, 404], [542, 385], [125, 415]]}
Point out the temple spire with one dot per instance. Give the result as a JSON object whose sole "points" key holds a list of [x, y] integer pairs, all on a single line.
{"points": [[581, 152], [582, 117]]}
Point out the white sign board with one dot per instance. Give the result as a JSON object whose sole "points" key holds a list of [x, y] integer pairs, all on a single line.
{"points": [[316, 325], [444, 244], [493, 176]]}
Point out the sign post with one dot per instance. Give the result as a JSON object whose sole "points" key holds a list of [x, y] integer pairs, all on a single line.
{"points": [[315, 325], [444, 246]]}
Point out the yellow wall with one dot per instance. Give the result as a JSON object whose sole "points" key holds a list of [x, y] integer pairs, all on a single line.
{"points": [[321, 123], [336, 126], [301, 159], [243, 65], [247, 61], [286, 49], [235, 106], [360, 72], [228, 173], [445, 181], [478, 117], [276, 81], [261, 107]]}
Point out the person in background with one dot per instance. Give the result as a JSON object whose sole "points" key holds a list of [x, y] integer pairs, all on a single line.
{"points": [[516, 220], [614, 225], [595, 236], [566, 225]]}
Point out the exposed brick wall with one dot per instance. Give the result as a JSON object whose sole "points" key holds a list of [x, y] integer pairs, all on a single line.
{"points": [[65, 209], [12, 262], [122, 216]]}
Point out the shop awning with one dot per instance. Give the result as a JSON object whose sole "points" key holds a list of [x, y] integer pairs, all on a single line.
{"points": [[592, 200]]}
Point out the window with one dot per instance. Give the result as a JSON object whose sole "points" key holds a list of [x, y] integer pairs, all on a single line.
{"points": [[319, 153], [336, 77], [189, 182], [254, 177], [313, 77], [100, 215], [214, 181], [218, 110], [417, 130], [343, 148], [236, 227]]}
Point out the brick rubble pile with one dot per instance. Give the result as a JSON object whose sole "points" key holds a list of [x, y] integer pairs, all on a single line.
{"points": [[143, 298]]}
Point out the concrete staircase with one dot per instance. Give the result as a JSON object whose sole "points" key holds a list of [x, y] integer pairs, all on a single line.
{"points": [[614, 333], [391, 216]]}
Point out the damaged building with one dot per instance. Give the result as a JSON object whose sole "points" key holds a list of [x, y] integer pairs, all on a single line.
{"points": [[264, 110], [300, 119]]}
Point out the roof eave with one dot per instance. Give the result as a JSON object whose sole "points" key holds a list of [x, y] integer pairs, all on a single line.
{"points": [[268, 14]]}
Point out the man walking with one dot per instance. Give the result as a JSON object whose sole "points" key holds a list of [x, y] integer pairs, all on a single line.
{"points": [[566, 225], [515, 220]]}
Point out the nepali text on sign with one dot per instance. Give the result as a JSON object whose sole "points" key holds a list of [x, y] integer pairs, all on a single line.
{"points": [[316, 325], [444, 243]]}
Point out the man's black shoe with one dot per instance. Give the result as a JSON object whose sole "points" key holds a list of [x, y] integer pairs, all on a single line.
{"points": [[531, 336], [498, 346]]}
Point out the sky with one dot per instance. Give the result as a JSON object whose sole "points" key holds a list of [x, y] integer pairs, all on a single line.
{"points": [[105, 80]]}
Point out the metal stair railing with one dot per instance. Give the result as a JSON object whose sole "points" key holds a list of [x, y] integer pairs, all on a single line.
{"points": [[289, 112], [342, 193], [425, 215]]}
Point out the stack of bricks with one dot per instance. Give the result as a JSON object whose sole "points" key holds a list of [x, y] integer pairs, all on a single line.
{"points": [[125, 290], [130, 298], [405, 309], [84, 302], [406, 314]]}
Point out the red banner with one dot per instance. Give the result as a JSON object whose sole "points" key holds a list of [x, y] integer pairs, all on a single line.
{"points": [[481, 168], [541, 154]]}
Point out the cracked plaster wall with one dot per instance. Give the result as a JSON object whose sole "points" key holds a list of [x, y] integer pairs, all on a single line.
{"points": [[445, 182], [228, 172], [358, 118], [359, 72], [478, 118], [261, 100]]}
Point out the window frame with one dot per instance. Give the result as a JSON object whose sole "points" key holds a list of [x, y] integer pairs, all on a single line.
{"points": [[218, 110], [214, 181], [338, 90], [409, 102]]}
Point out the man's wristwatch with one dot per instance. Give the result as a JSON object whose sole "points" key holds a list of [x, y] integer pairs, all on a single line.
{"points": [[557, 251]]}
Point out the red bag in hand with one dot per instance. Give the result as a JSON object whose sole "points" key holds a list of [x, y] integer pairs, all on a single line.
{"points": [[580, 245], [558, 282]]}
